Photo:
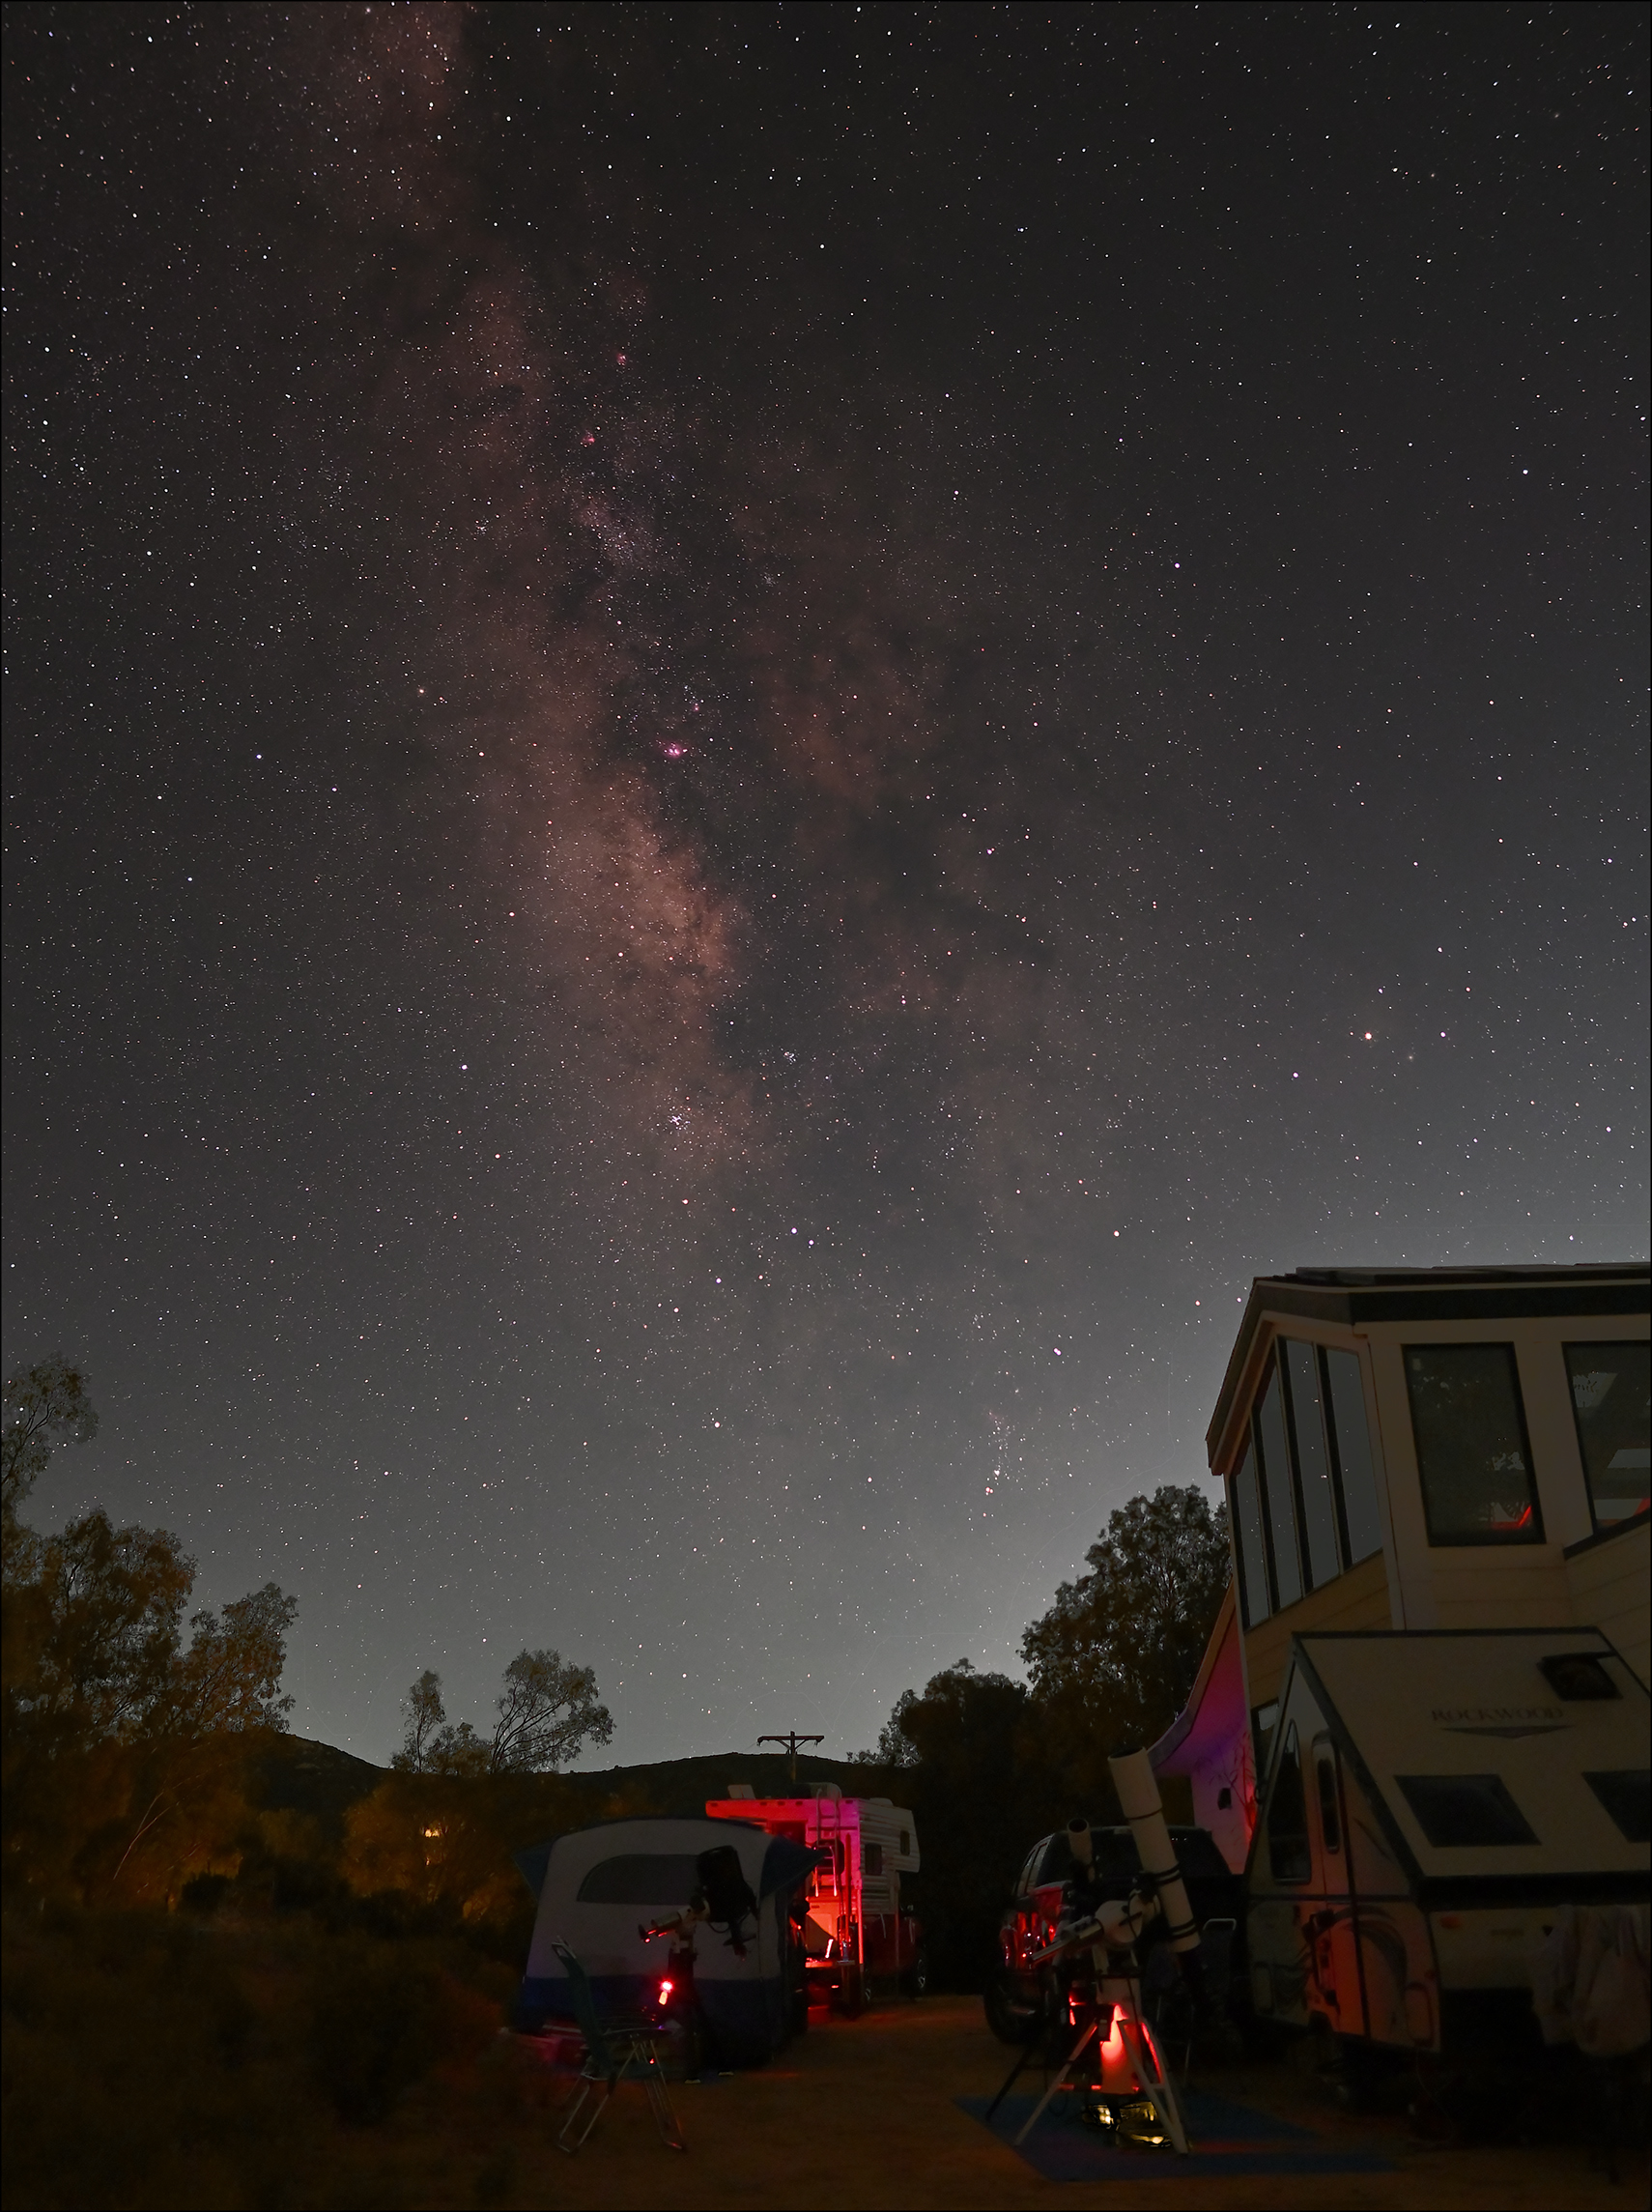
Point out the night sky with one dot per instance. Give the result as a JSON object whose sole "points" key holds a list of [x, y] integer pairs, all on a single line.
{"points": [[745, 742]]}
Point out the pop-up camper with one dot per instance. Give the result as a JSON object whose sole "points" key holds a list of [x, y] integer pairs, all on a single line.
{"points": [[1437, 1482], [1431, 1799], [600, 1886], [856, 1936]]}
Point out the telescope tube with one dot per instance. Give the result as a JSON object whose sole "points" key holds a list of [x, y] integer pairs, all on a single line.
{"points": [[1143, 1807]]}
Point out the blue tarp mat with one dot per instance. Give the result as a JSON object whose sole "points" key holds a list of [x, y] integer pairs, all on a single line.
{"points": [[1228, 2138]]}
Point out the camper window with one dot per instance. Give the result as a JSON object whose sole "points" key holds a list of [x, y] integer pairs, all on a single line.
{"points": [[1246, 1511], [1313, 1463], [1456, 1811], [1324, 1776], [1288, 1817], [1627, 1796], [1578, 1677], [1350, 1438], [1612, 1385], [1276, 1487], [1472, 1445]]}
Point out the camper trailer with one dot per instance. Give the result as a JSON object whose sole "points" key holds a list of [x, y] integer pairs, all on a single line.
{"points": [[602, 1887], [1438, 1483], [857, 1938], [1432, 1799]]}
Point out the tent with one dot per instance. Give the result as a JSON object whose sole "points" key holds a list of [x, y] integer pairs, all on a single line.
{"points": [[599, 1885]]}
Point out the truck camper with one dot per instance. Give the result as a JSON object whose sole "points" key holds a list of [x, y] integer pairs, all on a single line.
{"points": [[600, 1888], [1432, 1800], [857, 1936]]}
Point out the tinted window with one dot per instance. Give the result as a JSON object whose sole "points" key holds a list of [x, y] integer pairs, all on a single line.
{"points": [[1276, 1493], [1313, 1464], [1611, 1388], [1627, 1796], [1580, 1677], [1116, 1857], [1457, 1810], [1472, 1448], [1252, 1553], [1288, 1817], [1352, 1440], [642, 1878]]}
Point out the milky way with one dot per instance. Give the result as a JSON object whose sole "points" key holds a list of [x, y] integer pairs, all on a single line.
{"points": [[743, 749]]}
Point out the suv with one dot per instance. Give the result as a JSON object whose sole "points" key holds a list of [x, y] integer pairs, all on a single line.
{"points": [[1020, 1993]]}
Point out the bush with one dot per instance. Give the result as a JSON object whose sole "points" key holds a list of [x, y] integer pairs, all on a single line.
{"points": [[151, 2060], [382, 2014]]}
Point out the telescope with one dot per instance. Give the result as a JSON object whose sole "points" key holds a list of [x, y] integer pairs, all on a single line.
{"points": [[678, 1924], [1132, 2073]]}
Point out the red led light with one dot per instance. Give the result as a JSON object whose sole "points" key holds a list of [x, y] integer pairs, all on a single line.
{"points": [[666, 1988]]}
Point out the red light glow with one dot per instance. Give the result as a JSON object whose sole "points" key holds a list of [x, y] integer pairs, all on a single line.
{"points": [[666, 1988]]}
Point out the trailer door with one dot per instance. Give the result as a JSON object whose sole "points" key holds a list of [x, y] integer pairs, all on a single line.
{"points": [[1338, 1969]]}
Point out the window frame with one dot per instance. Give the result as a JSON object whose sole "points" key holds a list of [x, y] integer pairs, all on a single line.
{"points": [[1274, 1379], [1252, 1618], [1536, 1534], [1290, 1752], [1339, 1468], [1324, 1754], [1568, 1346], [1276, 1370], [1333, 1471]]}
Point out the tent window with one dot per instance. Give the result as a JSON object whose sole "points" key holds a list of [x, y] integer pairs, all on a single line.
{"points": [[642, 1878], [1627, 1796], [1276, 1488], [1612, 1388], [1330, 1817], [1351, 1438], [1247, 1511], [1288, 1817], [1313, 1463], [1472, 1445], [1457, 1811]]}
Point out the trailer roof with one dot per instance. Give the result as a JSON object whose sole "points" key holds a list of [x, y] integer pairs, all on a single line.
{"points": [[1346, 1295]]}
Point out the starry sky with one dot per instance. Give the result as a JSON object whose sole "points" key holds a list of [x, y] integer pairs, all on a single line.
{"points": [[745, 742]]}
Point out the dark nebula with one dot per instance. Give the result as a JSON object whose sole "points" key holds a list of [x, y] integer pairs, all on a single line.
{"points": [[745, 742]]}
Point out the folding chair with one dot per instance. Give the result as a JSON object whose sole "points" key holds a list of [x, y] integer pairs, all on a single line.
{"points": [[614, 2047]]}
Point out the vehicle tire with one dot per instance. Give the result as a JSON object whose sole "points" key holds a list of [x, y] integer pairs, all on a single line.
{"points": [[915, 1981], [855, 1993]]}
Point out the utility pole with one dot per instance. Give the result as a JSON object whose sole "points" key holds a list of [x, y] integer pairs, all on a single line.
{"points": [[789, 1743]]}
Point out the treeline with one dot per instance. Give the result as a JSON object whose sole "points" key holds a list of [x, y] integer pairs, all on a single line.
{"points": [[138, 1737], [988, 1764], [227, 1965]]}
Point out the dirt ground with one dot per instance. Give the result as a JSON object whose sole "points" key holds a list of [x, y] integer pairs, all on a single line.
{"points": [[862, 2114]]}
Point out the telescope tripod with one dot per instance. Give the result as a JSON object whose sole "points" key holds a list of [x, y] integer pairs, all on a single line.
{"points": [[1125, 2047]]}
